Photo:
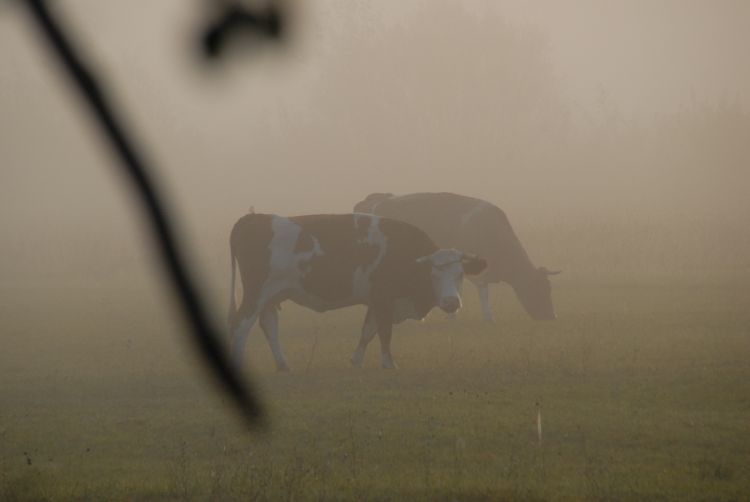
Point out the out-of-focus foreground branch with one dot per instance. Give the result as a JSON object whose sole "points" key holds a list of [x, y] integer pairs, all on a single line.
{"points": [[204, 336]]}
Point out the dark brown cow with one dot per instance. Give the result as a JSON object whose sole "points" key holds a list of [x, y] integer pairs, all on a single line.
{"points": [[475, 226], [327, 262]]}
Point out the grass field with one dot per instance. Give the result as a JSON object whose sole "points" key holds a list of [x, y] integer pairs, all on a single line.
{"points": [[643, 386]]}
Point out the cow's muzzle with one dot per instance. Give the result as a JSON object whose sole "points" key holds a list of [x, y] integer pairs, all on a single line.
{"points": [[450, 304]]}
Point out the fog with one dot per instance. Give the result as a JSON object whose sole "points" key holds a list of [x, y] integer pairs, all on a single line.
{"points": [[557, 112], [614, 135]]}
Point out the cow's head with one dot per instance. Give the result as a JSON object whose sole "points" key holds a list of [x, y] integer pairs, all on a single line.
{"points": [[535, 293], [371, 201], [447, 269]]}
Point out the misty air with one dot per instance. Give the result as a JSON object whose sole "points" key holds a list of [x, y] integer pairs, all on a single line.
{"points": [[453, 250]]}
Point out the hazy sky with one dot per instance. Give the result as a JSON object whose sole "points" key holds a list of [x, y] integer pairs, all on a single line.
{"points": [[648, 55], [255, 134]]}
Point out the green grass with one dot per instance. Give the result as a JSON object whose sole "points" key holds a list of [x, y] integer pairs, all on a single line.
{"points": [[643, 385]]}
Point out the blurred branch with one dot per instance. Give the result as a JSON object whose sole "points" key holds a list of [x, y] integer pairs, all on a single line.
{"points": [[204, 336], [235, 19]]}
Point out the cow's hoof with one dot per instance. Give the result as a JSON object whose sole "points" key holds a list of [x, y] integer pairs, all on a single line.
{"points": [[284, 368], [489, 320], [389, 365], [357, 359]]}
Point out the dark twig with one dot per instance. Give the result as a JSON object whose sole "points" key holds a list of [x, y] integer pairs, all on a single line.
{"points": [[235, 19], [133, 163]]}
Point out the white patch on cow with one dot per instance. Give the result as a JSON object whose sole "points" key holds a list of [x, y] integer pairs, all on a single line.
{"points": [[284, 277], [475, 210], [285, 262], [285, 235], [288, 268], [285, 272], [361, 282]]}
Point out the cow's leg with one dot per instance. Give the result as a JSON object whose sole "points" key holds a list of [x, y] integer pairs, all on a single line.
{"points": [[384, 323], [484, 298], [269, 323], [369, 329], [452, 315], [240, 333]]}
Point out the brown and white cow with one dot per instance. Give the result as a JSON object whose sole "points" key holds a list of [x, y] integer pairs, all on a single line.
{"points": [[327, 262], [475, 226]]}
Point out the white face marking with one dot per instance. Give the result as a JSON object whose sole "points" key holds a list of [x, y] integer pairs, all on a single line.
{"points": [[375, 237], [447, 275]]}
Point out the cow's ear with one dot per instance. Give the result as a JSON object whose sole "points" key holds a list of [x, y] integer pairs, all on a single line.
{"points": [[424, 259], [473, 265]]}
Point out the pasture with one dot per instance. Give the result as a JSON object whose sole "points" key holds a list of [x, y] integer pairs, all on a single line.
{"points": [[643, 385]]}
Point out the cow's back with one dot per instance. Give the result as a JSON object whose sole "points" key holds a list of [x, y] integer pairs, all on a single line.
{"points": [[439, 214], [348, 248], [328, 261], [361, 253], [467, 223]]}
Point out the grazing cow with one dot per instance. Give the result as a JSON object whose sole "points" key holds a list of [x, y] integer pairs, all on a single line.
{"points": [[475, 226], [327, 262]]}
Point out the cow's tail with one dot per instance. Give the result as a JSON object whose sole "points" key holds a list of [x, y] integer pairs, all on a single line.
{"points": [[232, 314]]}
